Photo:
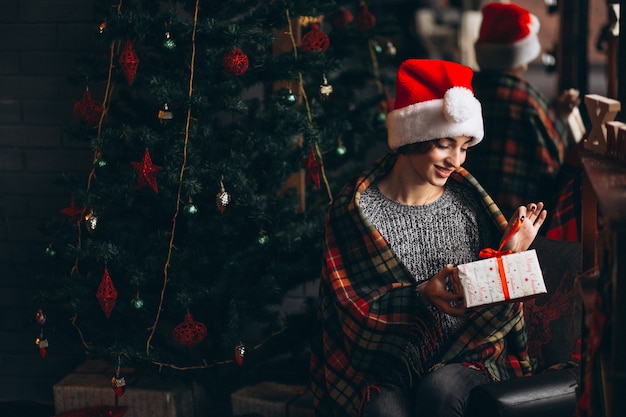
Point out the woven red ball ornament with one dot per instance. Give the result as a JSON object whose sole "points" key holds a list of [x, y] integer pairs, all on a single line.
{"points": [[235, 62], [315, 40], [107, 294], [190, 332], [365, 20], [87, 110], [129, 61], [342, 18]]}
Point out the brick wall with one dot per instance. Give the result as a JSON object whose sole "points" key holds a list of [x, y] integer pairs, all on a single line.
{"points": [[39, 41]]}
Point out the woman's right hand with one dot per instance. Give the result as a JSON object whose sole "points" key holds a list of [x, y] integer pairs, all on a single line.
{"points": [[435, 292]]}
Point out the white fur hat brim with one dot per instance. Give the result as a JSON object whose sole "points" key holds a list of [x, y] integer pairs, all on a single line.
{"points": [[432, 119]]}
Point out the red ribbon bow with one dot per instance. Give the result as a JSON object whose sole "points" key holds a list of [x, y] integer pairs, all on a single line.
{"points": [[492, 253]]}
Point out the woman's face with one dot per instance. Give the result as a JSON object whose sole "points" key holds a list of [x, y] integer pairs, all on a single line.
{"points": [[436, 165]]}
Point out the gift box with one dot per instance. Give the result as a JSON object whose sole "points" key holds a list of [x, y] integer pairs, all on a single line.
{"points": [[502, 278], [272, 399], [145, 395]]}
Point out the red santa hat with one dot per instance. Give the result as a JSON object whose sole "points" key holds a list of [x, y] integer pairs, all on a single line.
{"points": [[434, 99], [507, 38]]}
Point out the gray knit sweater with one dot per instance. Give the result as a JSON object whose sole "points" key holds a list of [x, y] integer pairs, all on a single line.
{"points": [[450, 230]]}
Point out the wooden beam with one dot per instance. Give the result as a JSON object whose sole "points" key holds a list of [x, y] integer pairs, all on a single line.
{"points": [[612, 49], [621, 61], [572, 56]]}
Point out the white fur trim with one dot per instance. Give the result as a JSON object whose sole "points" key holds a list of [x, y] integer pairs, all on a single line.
{"points": [[504, 56], [425, 121]]}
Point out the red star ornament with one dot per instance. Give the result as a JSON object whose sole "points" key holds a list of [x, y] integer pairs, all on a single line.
{"points": [[73, 212], [313, 168], [146, 172], [87, 110]]}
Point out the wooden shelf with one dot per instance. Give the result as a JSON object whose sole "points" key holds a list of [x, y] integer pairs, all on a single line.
{"points": [[604, 253], [608, 180]]}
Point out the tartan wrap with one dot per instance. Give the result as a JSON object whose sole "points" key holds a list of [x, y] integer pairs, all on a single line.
{"points": [[369, 311], [525, 143]]}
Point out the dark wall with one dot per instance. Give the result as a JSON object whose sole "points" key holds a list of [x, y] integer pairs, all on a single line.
{"points": [[39, 42]]}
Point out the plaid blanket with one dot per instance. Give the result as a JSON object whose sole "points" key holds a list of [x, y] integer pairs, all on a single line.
{"points": [[525, 144], [370, 315]]}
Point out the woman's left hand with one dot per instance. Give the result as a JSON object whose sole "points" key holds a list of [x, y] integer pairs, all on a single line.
{"points": [[532, 216]]}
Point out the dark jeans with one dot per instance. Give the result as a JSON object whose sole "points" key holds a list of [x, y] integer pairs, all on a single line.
{"points": [[442, 393]]}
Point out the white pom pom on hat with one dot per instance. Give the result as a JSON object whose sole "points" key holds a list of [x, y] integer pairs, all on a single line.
{"points": [[508, 37], [458, 105], [434, 99]]}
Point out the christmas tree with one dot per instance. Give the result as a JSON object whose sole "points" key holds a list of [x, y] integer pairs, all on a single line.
{"points": [[220, 131]]}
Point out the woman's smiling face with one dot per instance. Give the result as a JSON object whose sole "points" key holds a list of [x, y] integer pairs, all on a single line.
{"points": [[437, 164]]}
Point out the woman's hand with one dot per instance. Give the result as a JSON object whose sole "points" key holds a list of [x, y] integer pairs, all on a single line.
{"points": [[435, 292], [532, 216]]}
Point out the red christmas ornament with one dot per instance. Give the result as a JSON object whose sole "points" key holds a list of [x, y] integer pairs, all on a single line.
{"points": [[240, 353], [146, 172], [107, 294], [315, 40], [365, 20], [98, 411], [313, 168], [119, 386], [42, 344], [43, 348], [119, 391], [342, 18], [40, 317], [129, 61], [190, 332], [235, 62], [87, 110], [91, 221], [222, 198], [73, 212]]}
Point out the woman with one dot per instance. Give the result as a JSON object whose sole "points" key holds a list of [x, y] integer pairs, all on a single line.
{"points": [[394, 337]]}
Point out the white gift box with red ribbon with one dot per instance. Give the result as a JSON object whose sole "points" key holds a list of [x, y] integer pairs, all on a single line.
{"points": [[502, 278]]}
